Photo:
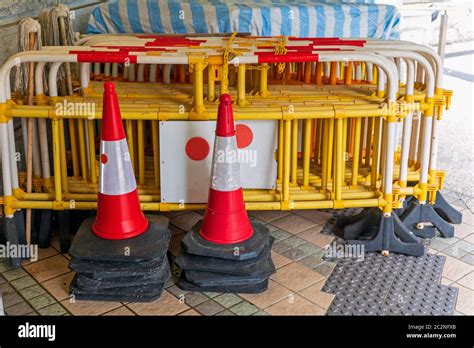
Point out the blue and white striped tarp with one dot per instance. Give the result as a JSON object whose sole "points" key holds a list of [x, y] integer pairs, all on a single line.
{"points": [[302, 18]]}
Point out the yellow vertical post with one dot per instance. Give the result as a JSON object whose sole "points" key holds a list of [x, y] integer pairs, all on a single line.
{"points": [[333, 73], [241, 85], [355, 158], [131, 141], [182, 73], [198, 86], [264, 80], [141, 152], [318, 143], [345, 134], [156, 151], [306, 151], [348, 74], [330, 149], [231, 78], [280, 149], [73, 141], [58, 196], [368, 140], [361, 140], [339, 159], [82, 149], [294, 151], [286, 161], [383, 149], [211, 83], [318, 73], [255, 81], [288, 69], [307, 72], [93, 169], [375, 154], [63, 162], [324, 154]]}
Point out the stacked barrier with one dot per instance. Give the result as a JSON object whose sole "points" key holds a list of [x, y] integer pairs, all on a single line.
{"points": [[367, 140]]}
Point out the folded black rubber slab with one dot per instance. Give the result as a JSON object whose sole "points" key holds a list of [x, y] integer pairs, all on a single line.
{"points": [[194, 244], [245, 267], [242, 289], [160, 276], [89, 266], [219, 279], [146, 247], [128, 293]]}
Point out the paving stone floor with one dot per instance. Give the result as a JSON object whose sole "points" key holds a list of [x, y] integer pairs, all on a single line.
{"points": [[41, 288]]}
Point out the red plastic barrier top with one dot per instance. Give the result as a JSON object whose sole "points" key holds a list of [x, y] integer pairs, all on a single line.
{"points": [[104, 57], [291, 57], [174, 41], [134, 48]]}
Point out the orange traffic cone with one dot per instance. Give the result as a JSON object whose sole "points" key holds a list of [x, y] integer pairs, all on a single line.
{"points": [[119, 214], [226, 220], [226, 252]]}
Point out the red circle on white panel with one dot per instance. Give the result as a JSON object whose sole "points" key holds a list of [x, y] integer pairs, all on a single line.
{"points": [[244, 136], [103, 158], [197, 148]]}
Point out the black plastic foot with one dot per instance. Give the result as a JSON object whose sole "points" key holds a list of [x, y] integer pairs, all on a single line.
{"points": [[362, 225], [35, 225], [44, 233], [20, 226], [64, 231], [406, 203], [12, 237], [391, 236], [446, 210], [344, 220], [421, 213]]}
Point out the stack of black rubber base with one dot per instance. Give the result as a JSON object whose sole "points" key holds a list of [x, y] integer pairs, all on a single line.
{"points": [[227, 268], [134, 269]]}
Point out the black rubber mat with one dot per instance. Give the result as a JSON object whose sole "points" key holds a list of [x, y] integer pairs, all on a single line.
{"points": [[390, 285], [386, 285]]}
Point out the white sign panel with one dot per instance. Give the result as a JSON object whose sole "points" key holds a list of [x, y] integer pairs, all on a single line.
{"points": [[186, 156]]}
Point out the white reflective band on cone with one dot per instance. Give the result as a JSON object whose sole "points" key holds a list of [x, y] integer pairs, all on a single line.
{"points": [[225, 165], [116, 174]]}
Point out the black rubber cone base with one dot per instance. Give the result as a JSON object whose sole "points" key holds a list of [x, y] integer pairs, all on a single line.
{"points": [[145, 247], [201, 278], [159, 276], [242, 289], [140, 293], [194, 244], [249, 267], [115, 268]]}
